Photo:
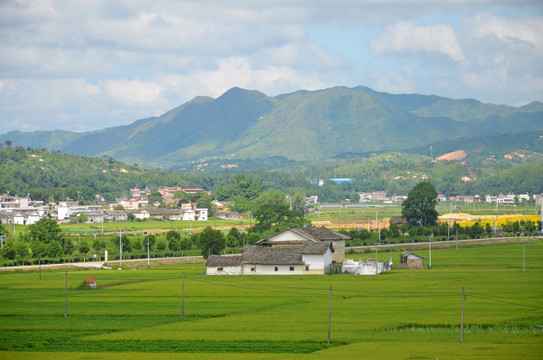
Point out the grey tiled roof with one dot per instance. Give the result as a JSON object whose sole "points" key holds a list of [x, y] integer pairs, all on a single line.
{"points": [[224, 260], [283, 255], [264, 255], [323, 234], [316, 248], [310, 234], [271, 256]]}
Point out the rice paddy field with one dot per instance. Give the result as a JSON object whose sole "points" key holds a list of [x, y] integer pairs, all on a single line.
{"points": [[400, 314]]}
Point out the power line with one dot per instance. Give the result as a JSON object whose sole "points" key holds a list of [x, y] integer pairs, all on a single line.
{"points": [[507, 302]]}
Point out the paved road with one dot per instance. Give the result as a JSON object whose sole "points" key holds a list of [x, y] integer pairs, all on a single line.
{"points": [[95, 264], [510, 239]]}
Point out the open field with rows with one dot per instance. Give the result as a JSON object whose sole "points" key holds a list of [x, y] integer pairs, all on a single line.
{"points": [[401, 314]]}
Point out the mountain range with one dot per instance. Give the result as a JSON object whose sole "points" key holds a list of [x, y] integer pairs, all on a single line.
{"points": [[300, 126]]}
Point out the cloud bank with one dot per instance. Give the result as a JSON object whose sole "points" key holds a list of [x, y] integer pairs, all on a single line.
{"points": [[89, 65]]}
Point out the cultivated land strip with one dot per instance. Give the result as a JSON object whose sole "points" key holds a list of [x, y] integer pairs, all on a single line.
{"points": [[397, 315]]}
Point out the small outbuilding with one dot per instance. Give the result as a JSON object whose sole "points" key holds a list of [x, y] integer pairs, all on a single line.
{"points": [[411, 260]]}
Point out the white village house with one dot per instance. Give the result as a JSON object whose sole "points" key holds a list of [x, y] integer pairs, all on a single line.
{"points": [[308, 258], [299, 251]]}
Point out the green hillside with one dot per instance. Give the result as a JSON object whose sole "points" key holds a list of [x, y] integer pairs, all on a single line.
{"points": [[301, 126], [53, 140], [492, 148]]}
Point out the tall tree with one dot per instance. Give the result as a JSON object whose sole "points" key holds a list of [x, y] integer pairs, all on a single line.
{"points": [[419, 207], [174, 240], [210, 241], [297, 203], [277, 216], [154, 197], [46, 237]]}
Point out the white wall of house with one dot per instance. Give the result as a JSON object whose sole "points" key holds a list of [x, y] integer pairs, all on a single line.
{"points": [[287, 236], [188, 215], [142, 215], [63, 212], [224, 270], [129, 204], [201, 214], [96, 219], [317, 262], [32, 219], [281, 270], [19, 219]]}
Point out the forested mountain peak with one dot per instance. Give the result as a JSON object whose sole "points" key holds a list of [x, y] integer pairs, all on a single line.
{"points": [[303, 125]]}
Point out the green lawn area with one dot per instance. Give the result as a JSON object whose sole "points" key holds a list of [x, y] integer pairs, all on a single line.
{"points": [[400, 314]]}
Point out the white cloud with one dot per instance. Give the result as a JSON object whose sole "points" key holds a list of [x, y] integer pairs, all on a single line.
{"points": [[396, 81], [526, 32], [83, 65], [404, 36], [134, 92], [505, 57]]}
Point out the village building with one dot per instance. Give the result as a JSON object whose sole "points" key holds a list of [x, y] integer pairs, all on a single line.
{"points": [[310, 258], [229, 216], [411, 260], [298, 236], [297, 251]]}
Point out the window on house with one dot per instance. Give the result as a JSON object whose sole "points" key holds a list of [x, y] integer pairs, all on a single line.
{"points": [[291, 268], [307, 268], [253, 269], [220, 269], [276, 268]]}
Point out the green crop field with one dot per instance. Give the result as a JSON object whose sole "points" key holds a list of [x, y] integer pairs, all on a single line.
{"points": [[400, 314]]}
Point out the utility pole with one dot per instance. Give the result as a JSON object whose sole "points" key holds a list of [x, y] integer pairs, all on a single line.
{"points": [[379, 233], [376, 262], [145, 233], [66, 297], [457, 237], [462, 325], [430, 246], [541, 214], [183, 297], [120, 250], [523, 256], [329, 314]]}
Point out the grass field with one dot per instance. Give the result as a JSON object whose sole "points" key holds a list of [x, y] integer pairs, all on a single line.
{"points": [[401, 314]]}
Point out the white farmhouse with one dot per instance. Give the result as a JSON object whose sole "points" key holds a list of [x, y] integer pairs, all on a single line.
{"points": [[305, 259], [297, 236]]}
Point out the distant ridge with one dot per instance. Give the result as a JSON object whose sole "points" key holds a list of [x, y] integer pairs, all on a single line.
{"points": [[301, 126]]}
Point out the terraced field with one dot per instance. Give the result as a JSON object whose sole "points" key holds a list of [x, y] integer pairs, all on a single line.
{"points": [[401, 314]]}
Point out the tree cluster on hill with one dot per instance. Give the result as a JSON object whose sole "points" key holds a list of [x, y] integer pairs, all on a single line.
{"points": [[53, 176]]}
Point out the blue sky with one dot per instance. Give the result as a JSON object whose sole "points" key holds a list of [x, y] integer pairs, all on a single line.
{"points": [[88, 65]]}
